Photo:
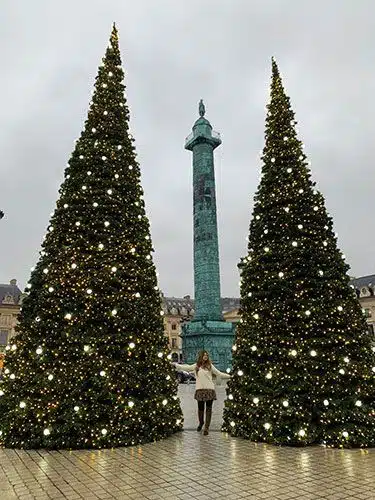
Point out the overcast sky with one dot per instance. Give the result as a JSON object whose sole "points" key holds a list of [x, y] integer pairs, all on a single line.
{"points": [[174, 53]]}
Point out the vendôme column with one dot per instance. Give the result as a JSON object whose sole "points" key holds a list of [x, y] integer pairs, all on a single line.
{"points": [[207, 330]]}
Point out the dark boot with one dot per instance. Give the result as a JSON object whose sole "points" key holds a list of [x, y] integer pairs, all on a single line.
{"points": [[201, 420], [208, 420]]}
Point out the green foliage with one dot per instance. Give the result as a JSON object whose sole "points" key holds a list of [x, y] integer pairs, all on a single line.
{"points": [[303, 361], [89, 366]]}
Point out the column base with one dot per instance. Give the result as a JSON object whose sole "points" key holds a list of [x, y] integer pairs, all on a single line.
{"points": [[215, 337]]}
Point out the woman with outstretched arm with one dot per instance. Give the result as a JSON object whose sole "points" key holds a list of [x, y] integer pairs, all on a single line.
{"points": [[205, 393]]}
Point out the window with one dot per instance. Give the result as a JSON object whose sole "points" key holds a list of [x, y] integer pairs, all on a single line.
{"points": [[370, 329], [368, 313], [3, 337], [174, 343], [174, 326]]}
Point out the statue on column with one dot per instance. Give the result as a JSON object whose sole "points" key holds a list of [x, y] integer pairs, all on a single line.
{"points": [[202, 108]]}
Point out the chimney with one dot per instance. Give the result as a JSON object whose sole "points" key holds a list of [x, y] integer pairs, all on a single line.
{"points": [[13, 282]]}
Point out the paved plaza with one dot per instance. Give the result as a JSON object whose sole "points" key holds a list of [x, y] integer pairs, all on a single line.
{"points": [[190, 466]]}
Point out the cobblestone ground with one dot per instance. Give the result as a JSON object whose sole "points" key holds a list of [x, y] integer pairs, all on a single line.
{"points": [[190, 466]]}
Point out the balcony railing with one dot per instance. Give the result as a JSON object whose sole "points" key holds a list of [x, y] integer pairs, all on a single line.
{"points": [[214, 134], [189, 137]]}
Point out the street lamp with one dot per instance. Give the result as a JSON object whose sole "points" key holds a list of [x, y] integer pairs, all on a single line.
{"points": [[1, 214]]}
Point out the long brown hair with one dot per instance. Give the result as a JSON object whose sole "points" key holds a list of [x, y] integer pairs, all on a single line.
{"points": [[201, 363]]}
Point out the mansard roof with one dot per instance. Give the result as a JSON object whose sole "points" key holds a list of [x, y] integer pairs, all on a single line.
{"points": [[184, 306], [9, 292], [363, 281]]}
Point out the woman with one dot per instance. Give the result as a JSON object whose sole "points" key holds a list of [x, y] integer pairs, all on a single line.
{"points": [[205, 388]]}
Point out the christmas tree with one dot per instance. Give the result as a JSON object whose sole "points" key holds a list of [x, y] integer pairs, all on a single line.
{"points": [[89, 367], [303, 364]]}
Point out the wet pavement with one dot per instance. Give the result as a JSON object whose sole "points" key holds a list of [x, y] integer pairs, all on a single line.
{"points": [[190, 466]]}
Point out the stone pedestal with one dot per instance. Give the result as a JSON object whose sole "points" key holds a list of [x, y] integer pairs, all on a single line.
{"points": [[216, 337]]}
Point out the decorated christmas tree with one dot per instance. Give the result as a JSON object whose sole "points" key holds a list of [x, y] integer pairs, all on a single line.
{"points": [[303, 365], [89, 366]]}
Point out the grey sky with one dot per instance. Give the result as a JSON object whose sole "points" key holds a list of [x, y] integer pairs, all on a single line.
{"points": [[174, 53]]}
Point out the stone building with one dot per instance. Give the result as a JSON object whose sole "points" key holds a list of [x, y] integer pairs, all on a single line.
{"points": [[178, 311], [10, 302], [365, 290]]}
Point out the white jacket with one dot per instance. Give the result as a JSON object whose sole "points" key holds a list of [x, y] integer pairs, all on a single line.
{"points": [[203, 377]]}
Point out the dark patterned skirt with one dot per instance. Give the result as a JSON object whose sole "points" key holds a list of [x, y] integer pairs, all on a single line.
{"points": [[205, 394]]}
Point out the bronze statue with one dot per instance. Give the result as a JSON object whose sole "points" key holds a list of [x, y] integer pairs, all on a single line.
{"points": [[202, 108]]}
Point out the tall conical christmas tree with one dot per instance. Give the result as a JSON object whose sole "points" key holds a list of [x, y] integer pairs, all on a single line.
{"points": [[89, 366], [303, 362]]}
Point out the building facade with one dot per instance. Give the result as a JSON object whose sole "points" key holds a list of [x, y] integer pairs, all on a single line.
{"points": [[180, 311], [177, 312], [10, 303], [365, 290]]}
